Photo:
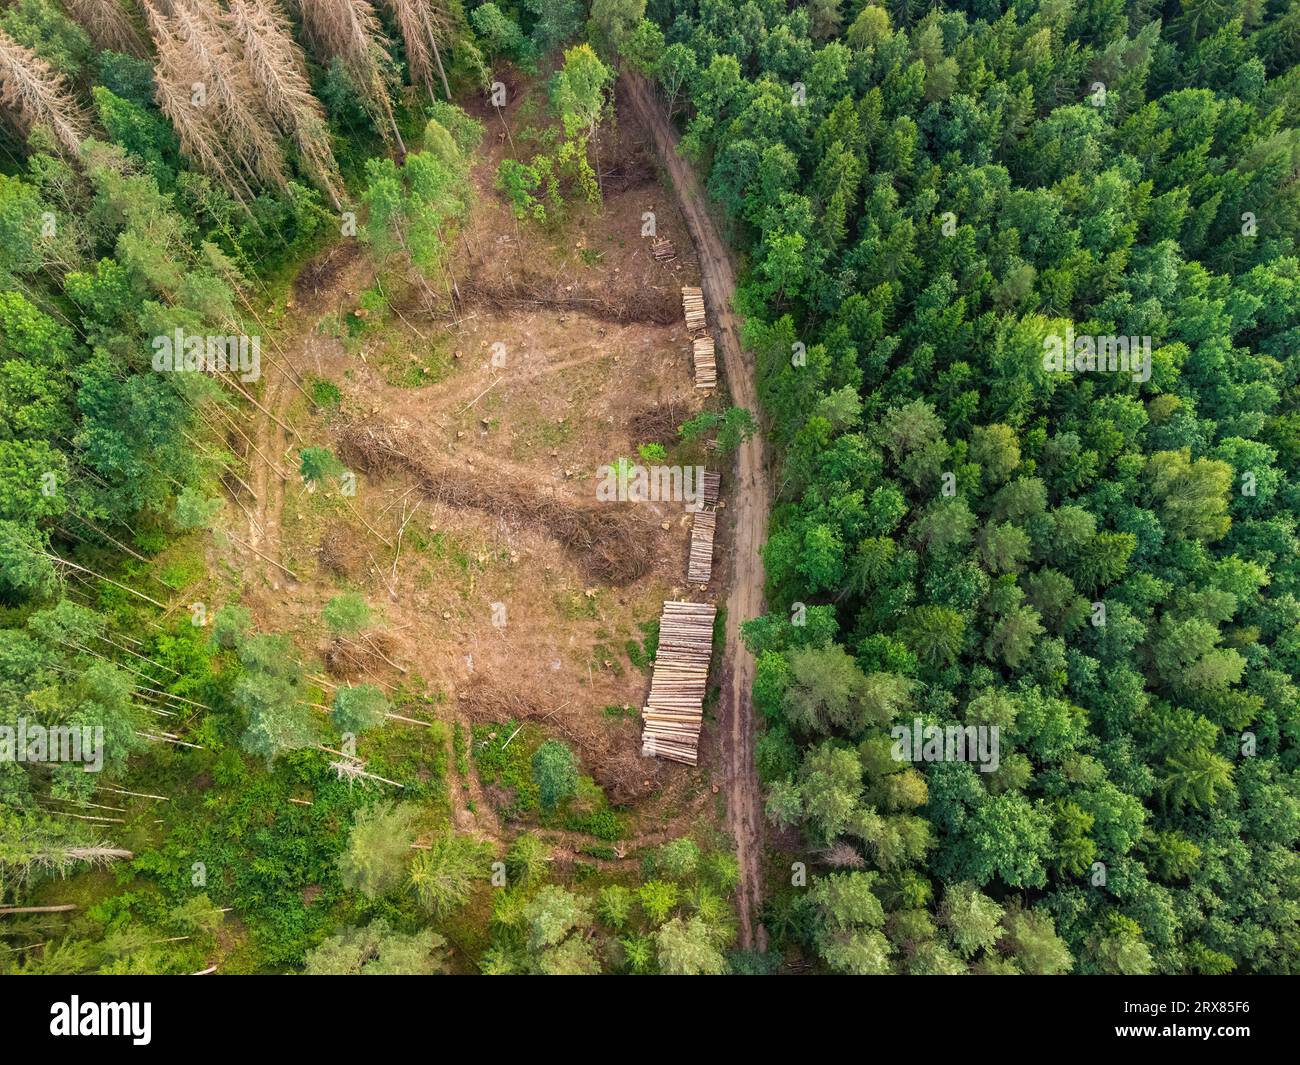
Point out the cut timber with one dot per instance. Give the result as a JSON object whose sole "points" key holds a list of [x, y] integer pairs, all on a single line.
{"points": [[663, 250], [699, 568], [693, 308], [706, 366], [674, 709], [712, 489]]}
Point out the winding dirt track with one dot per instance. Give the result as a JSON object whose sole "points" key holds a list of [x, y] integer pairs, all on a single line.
{"points": [[748, 506]]}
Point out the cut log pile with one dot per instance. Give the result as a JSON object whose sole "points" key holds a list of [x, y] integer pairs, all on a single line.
{"points": [[706, 368], [712, 489], [693, 307], [674, 709], [663, 251], [699, 568]]}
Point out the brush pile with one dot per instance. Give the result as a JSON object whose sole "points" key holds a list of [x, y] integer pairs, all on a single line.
{"points": [[611, 541]]}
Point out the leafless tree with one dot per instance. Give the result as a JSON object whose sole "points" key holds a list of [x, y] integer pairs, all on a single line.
{"points": [[108, 24], [200, 138], [204, 30], [203, 85], [843, 855], [276, 67], [349, 31], [31, 95], [422, 24]]}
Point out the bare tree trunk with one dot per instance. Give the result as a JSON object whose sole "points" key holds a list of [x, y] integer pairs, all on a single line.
{"points": [[442, 74], [99, 854], [397, 133]]}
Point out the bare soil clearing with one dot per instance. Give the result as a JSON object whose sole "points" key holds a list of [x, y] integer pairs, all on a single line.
{"points": [[445, 522]]}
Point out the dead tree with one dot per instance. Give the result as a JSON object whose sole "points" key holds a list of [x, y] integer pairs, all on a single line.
{"points": [[108, 24], [200, 137], [349, 31], [31, 95], [275, 66], [206, 36], [422, 25]]}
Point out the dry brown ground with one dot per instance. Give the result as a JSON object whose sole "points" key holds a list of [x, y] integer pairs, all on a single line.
{"points": [[594, 346]]}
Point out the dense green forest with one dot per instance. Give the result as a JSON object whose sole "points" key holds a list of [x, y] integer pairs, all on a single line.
{"points": [[1100, 561], [1101, 564]]}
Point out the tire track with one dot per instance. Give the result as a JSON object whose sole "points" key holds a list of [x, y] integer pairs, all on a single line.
{"points": [[748, 509]]}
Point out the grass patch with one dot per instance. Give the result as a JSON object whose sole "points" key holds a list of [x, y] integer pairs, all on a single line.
{"points": [[603, 824], [642, 654], [557, 432], [403, 369], [506, 763], [325, 394], [181, 572], [621, 712], [604, 657], [579, 606]]}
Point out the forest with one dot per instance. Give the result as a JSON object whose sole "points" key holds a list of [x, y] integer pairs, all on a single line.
{"points": [[1021, 288]]}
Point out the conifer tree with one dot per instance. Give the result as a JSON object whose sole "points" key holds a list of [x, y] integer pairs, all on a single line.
{"points": [[32, 95]]}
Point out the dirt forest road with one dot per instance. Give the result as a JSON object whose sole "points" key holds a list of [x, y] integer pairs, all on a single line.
{"points": [[748, 506]]}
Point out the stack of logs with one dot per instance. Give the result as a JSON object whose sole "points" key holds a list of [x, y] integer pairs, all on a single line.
{"points": [[699, 568], [712, 488], [674, 709], [706, 369], [663, 251], [693, 307], [699, 565]]}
